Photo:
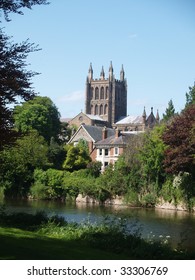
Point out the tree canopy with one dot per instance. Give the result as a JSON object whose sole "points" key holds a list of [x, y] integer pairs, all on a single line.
{"points": [[15, 78], [179, 136], [16, 6], [169, 112], [190, 96], [40, 114]]}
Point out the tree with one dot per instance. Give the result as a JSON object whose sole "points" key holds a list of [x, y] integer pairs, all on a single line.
{"points": [[190, 96], [15, 79], [179, 137], [40, 114], [77, 157], [151, 156], [169, 112], [19, 162], [15, 6]]}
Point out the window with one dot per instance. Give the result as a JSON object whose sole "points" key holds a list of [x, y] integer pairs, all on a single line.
{"points": [[106, 152], [116, 151], [96, 93], [96, 109], [101, 109], [106, 109], [102, 93], [92, 109], [107, 90], [105, 164], [100, 152]]}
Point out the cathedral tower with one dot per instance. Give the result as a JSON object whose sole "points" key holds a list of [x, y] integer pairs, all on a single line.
{"points": [[106, 97]]}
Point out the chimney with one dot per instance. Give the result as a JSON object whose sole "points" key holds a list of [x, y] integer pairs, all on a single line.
{"points": [[117, 132], [104, 133]]}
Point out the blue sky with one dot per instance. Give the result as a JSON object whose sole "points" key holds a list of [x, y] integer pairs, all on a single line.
{"points": [[153, 39]]}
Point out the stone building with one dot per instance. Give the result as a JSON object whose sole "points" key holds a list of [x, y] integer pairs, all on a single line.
{"points": [[87, 119], [138, 123], [106, 97]]}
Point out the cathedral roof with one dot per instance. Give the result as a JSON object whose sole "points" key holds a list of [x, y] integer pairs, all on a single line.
{"points": [[94, 117], [130, 120]]}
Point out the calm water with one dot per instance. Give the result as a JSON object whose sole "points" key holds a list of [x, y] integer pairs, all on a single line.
{"points": [[172, 225]]}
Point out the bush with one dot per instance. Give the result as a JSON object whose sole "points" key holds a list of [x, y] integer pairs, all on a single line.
{"points": [[149, 200]]}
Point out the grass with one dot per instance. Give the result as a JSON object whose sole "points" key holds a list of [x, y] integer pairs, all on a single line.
{"points": [[26, 237], [17, 244]]}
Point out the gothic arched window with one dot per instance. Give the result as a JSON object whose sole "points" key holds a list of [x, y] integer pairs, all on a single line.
{"points": [[96, 93], [106, 109], [107, 92], [102, 93], [91, 109], [96, 109], [101, 109]]}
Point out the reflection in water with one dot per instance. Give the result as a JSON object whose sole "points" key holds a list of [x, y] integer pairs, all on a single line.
{"points": [[176, 226]]}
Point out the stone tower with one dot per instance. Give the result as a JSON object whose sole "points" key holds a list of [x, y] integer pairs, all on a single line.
{"points": [[106, 97]]}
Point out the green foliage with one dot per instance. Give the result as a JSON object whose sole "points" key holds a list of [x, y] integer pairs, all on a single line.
{"points": [[77, 157], [151, 156], [40, 114], [170, 111], [190, 96], [56, 154], [167, 190], [132, 197], [94, 168], [149, 200], [111, 183], [95, 239], [48, 184], [15, 78], [19, 161]]}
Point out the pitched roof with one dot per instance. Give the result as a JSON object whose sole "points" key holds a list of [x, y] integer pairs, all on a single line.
{"points": [[96, 132], [122, 140], [94, 117], [131, 119]]}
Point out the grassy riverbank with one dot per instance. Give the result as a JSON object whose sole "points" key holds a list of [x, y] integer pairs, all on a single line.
{"points": [[25, 236]]}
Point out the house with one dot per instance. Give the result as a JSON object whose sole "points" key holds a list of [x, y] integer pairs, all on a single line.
{"points": [[105, 144], [110, 148], [91, 134]]}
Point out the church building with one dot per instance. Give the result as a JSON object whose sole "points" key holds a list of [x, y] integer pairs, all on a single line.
{"points": [[106, 97]]}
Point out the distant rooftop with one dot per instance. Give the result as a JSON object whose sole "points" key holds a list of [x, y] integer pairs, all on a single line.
{"points": [[94, 117], [65, 119], [131, 119]]}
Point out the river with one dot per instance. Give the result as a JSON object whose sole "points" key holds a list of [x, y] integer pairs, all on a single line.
{"points": [[174, 226]]}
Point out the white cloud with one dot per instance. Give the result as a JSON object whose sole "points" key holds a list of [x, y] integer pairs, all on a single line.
{"points": [[73, 96], [131, 36]]}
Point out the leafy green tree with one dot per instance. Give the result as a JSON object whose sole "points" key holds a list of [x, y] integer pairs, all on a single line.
{"points": [[19, 162], [40, 114], [169, 112], [152, 156], [190, 96], [94, 168], [77, 157], [56, 154]]}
